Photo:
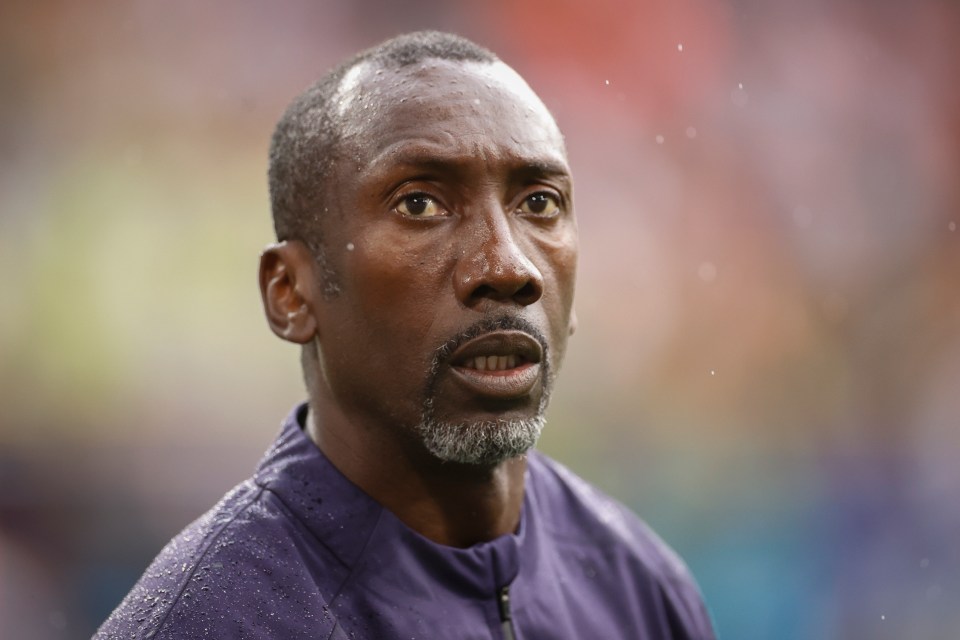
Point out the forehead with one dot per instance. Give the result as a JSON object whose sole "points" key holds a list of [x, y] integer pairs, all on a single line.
{"points": [[448, 111]]}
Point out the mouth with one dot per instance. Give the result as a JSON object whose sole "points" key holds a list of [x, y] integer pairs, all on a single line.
{"points": [[500, 364], [495, 364]]}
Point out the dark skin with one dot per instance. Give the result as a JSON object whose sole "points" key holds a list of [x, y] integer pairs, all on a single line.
{"points": [[452, 204]]}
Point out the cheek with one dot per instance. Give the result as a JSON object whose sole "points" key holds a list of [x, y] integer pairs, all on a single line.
{"points": [[560, 259], [396, 287]]}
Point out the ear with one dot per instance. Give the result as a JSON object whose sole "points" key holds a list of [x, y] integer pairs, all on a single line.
{"points": [[287, 286]]}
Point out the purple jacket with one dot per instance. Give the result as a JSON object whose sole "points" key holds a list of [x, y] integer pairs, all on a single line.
{"points": [[299, 551]]}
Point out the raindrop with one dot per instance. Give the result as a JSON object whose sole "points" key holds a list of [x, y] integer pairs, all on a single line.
{"points": [[738, 96]]}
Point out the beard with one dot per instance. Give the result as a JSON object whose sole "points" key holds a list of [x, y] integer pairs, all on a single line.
{"points": [[481, 442]]}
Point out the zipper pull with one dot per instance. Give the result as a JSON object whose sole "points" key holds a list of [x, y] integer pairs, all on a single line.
{"points": [[506, 619]]}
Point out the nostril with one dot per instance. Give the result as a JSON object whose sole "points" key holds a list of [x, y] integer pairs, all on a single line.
{"points": [[528, 293], [484, 291]]}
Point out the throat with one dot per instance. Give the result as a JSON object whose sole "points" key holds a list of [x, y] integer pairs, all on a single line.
{"points": [[464, 509]]}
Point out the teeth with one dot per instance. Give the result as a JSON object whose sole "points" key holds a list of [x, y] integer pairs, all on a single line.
{"points": [[493, 363]]}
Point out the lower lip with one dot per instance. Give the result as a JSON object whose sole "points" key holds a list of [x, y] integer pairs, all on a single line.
{"points": [[508, 383]]}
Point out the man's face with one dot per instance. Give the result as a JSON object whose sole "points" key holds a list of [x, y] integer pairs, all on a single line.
{"points": [[452, 235]]}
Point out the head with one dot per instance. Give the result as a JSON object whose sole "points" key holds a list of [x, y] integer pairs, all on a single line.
{"points": [[426, 248]]}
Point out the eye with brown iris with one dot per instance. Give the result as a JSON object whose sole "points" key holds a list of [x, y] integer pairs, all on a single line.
{"points": [[541, 204], [419, 205]]}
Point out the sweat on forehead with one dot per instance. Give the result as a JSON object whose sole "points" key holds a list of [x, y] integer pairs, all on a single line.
{"points": [[373, 103]]}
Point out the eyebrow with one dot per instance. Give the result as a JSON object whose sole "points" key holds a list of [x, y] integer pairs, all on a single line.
{"points": [[549, 168], [435, 161]]}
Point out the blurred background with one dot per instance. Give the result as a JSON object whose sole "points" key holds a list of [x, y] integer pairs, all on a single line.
{"points": [[768, 362]]}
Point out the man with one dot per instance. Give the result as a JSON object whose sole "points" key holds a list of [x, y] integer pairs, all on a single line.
{"points": [[425, 262]]}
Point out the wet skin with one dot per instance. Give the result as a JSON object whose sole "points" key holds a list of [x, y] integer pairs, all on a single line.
{"points": [[452, 209]]}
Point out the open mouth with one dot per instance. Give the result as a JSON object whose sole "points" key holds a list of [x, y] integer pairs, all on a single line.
{"points": [[494, 363], [500, 364]]}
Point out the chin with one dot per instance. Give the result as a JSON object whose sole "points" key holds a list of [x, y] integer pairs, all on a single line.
{"points": [[480, 443]]}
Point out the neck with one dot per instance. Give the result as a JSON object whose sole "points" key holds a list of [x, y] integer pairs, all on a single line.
{"points": [[452, 504]]}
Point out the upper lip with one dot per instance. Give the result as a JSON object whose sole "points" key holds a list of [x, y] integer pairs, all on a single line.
{"points": [[501, 343]]}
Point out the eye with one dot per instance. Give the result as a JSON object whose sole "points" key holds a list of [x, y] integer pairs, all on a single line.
{"points": [[420, 205], [541, 204]]}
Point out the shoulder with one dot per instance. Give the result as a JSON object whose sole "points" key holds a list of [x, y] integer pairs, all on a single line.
{"points": [[219, 577], [577, 514]]}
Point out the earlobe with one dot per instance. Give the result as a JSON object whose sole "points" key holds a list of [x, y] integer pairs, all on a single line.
{"points": [[286, 288]]}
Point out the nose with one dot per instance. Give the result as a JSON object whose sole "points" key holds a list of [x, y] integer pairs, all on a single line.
{"points": [[494, 267]]}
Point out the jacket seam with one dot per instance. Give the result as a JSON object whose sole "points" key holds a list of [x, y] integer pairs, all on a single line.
{"points": [[346, 579], [293, 515], [213, 538]]}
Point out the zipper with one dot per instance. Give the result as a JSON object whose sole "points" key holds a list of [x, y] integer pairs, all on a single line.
{"points": [[506, 619]]}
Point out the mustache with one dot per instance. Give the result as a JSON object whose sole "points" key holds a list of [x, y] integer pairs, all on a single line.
{"points": [[487, 325]]}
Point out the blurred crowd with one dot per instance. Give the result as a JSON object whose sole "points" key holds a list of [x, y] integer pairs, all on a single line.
{"points": [[768, 360]]}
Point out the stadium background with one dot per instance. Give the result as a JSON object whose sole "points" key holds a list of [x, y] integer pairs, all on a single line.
{"points": [[768, 362]]}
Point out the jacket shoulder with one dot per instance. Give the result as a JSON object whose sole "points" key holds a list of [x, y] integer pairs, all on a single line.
{"points": [[233, 573], [578, 514]]}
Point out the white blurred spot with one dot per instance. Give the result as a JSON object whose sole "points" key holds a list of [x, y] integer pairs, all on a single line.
{"points": [[707, 272], [349, 246], [952, 226], [882, 617], [738, 96], [606, 82], [691, 132], [713, 372], [659, 139], [680, 47], [924, 563]]}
